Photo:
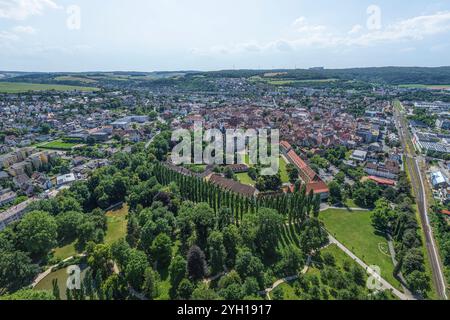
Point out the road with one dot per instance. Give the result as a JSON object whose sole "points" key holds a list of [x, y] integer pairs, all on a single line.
{"points": [[417, 182]]}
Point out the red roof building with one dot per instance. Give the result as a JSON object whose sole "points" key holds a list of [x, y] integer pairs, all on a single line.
{"points": [[307, 175], [446, 212], [382, 181]]}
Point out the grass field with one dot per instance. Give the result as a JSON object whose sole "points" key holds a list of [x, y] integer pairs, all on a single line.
{"points": [[57, 145], [426, 86], [66, 251], [354, 229], [20, 87], [117, 224], [74, 78], [283, 172], [244, 178]]}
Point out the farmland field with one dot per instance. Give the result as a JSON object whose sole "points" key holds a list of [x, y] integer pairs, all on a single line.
{"points": [[19, 87], [426, 86], [74, 78]]}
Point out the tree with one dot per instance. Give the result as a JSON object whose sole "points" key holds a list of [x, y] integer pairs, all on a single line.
{"points": [[55, 291], [135, 268], [38, 232], [412, 261], [185, 289], [312, 236], [68, 223], [366, 194], [16, 271], [177, 272], [269, 183], [268, 222], [99, 259], [162, 250], [203, 292], [229, 174], [231, 241], [203, 218], [335, 192], [133, 231], [86, 232], [418, 282], [248, 265], [29, 294], [151, 283], [291, 261], [292, 172], [382, 215], [196, 263], [120, 251], [217, 251]]}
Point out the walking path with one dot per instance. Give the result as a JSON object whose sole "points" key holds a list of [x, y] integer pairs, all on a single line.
{"points": [[287, 279], [384, 283]]}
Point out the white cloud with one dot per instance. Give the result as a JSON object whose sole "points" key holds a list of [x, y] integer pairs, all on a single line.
{"points": [[301, 25], [22, 9], [8, 36], [416, 28], [24, 29], [355, 29], [319, 36]]}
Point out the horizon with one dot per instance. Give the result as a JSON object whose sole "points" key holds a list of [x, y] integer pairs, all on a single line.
{"points": [[219, 70]]}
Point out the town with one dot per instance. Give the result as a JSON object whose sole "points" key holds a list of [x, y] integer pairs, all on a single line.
{"points": [[356, 161]]}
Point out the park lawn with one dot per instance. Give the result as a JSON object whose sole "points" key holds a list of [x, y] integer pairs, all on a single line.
{"points": [[66, 251], [57, 145], [288, 292], [244, 178], [117, 224], [351, 203], [354, 229], [21, 87], [283, 171]]}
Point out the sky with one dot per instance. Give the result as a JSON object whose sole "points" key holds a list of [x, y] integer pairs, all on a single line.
{"points": [[157, 35]]}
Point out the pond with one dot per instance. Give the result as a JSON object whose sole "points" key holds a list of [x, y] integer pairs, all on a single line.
{"points": [[61, 275]]}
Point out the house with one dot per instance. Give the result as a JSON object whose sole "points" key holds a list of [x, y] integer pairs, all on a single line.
{"points": [[14, 213], [65, 179], [232, 185], [307, 175], [438, 180], [7, 197], [359, 155], [238, 168], [382, 181]]}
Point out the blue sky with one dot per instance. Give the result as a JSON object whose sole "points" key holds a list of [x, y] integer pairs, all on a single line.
{"points": [[148, 35]]}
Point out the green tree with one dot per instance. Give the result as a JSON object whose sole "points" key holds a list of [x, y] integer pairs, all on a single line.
{"points": [[217, 251], [162, 250], [185, 289], [151, 283], [135, 268], [38, 232], [196, 263]]}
